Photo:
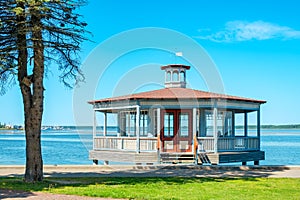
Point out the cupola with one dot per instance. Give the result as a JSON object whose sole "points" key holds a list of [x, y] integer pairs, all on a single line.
{"points": [[175, 75]]}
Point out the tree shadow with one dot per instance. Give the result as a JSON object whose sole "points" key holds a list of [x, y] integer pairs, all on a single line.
{"points": [[178, 171], [170, 175], [12, 194]]}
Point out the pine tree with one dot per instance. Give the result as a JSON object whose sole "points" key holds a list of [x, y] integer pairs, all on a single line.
{"points": [[34, 36]]}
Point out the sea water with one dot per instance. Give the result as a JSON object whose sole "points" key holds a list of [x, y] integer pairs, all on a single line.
{"points": [[59, 147]]}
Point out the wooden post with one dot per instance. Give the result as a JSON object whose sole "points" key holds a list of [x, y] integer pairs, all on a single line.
{"points": [[215, 128], [94, 127], [233, 123], [158, 128], [137, 129], [159, 145], [245, 124], [194, 131], [258, 127], [202, 123], [105, 124], [246, 129], [129, 125], [226, 124]]}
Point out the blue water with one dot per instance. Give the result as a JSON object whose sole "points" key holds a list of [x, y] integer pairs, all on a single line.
{"points": [[282, 147]]}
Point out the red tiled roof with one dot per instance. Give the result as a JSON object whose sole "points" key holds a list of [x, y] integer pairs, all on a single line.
{"points": [[176, 93]]}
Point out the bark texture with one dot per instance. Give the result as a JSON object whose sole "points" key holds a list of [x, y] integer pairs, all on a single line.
{"points": [[33, 96]]}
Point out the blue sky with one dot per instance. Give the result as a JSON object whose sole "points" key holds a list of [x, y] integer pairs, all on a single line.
{"points": [[255, 46]]}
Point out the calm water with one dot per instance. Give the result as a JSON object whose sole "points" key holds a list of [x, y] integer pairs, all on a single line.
{"points": [[282, 147]]}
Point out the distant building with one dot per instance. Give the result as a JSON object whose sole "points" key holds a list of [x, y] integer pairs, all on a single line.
{"points": [[8, 126], [176, 124]]}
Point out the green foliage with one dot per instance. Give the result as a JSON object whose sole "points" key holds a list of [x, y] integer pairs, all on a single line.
{"points": [[2, 125], [18, 10], [63, 31], [166, 188]]}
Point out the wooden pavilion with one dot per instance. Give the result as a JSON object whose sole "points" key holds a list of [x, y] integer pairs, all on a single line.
{"points": [[176, 124]]}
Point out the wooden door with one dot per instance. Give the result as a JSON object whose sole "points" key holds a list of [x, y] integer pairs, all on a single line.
{"points": [[176, 134]]}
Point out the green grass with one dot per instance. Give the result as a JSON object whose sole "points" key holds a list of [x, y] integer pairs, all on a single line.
{"points": [[165, 188]]}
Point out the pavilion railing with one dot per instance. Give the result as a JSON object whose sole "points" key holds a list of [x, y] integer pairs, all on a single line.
{"points": [[125, 143], [239, 143]]}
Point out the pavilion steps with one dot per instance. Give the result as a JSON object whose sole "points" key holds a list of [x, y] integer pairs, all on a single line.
{"points": [[176, 157], [203, 159]]}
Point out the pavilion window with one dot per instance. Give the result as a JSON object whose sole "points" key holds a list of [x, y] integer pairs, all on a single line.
{"points": [[144, 123], [220, 123], [182, 76], [122, 123], [183, 124], [209, 123], [130, 123], [239, 119], [169, 125], [168, 78], [224, 123], [175, 76], [252, 124], [228, 124]]}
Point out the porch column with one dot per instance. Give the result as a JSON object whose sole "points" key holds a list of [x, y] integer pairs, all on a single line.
{"points": [[258, 127], [226, 125], [158, 128], [233, 124], [215, 129], [105, 124], [245, 124], [137, 129], [194, 131], [202, 123], [94, 127]]}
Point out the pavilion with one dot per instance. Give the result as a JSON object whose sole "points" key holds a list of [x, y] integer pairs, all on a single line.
{"points": [[176, 124]]}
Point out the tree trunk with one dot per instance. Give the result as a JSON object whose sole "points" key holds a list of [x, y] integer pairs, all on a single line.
{"points": [[34, 162], [33, 95], [33, 122]]}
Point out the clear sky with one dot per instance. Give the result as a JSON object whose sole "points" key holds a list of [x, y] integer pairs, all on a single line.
{"points": [[255, 46]]}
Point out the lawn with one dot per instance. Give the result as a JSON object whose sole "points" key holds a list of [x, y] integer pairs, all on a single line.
{"points": [[165, 188]]}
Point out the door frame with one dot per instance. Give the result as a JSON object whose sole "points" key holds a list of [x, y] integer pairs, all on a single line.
{"points": [[177, 140]]}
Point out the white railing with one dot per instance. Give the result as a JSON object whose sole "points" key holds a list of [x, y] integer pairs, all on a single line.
{"points": [[125, 143], [206, 144]]}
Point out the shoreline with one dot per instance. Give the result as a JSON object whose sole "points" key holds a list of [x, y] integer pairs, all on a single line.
{"points": [[267, 171]]}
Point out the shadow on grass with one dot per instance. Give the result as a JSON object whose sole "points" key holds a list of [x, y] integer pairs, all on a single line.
{"points": [[16, 188], [178, 171], [12, 194], [137, 175]]}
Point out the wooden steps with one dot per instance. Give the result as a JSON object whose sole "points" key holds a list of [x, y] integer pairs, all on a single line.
{"points": [[203, 159], [176, 157]]}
